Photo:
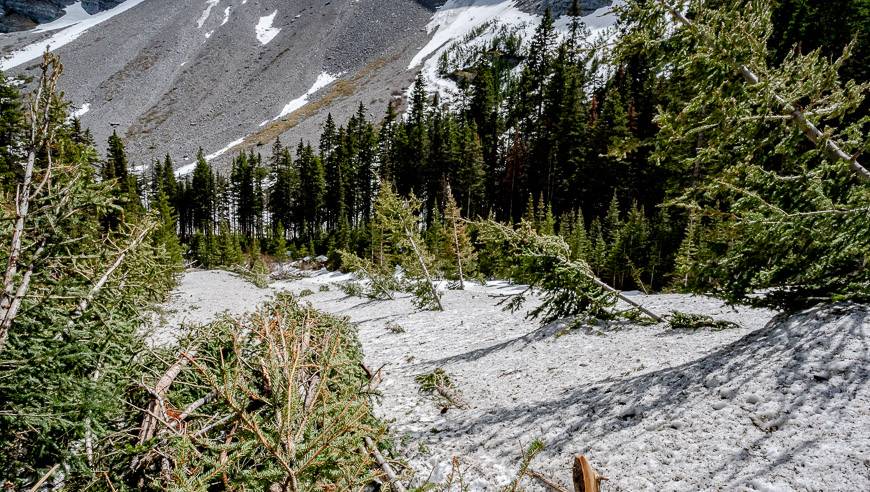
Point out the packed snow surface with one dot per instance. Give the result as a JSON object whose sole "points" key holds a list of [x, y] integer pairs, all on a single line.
{"points": [[264, 29], [777, 404], [67, 34]]}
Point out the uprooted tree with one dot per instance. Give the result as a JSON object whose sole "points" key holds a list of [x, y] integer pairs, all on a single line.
{"points": [[279, 400], [780, 199], [568, 287], [397, 242], [75, 289]]}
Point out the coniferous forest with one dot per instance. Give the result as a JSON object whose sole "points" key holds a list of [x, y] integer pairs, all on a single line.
{"points": [[651, 165], [718, 149]]}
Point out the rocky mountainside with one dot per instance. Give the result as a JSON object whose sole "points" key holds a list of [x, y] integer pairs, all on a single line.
{"points": [[175, 75]]}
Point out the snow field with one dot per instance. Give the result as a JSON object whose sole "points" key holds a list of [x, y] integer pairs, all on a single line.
{"points": [[781, 405]]}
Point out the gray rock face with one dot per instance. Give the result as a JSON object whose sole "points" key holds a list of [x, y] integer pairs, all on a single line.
{"points": [[175, 75], [17, 15], [559, 7]]}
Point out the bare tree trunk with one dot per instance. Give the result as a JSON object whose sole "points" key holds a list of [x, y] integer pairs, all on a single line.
{"points": [[798, 118], [423, 266], [458, 254], [41, 136], [385, 466]]}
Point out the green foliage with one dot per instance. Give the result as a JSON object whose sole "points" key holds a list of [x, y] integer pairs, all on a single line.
{"points": [[66, 365], [687, 321], [306, 293], [567, 286], [399, 244], [779, 214], [529, 454], [270, 421]]}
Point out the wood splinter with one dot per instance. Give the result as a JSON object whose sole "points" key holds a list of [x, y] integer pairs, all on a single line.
{"points": [[586, 479]]}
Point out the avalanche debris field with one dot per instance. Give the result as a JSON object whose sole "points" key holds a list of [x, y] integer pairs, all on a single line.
{"points": [[776, 404]]}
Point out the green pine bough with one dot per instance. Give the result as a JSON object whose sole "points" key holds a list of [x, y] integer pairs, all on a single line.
{"points": [[568, 287], [278, 400]]}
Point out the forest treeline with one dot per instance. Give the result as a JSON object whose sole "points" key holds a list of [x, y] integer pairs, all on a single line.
{"points": [[618, 154]]}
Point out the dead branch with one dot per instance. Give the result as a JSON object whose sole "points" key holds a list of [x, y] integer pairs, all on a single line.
{"points": [[546, 481], [385, 466], [45, 477]]}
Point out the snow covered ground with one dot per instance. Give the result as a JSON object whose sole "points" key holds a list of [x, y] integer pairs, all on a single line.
{"points": [[781, 405]]}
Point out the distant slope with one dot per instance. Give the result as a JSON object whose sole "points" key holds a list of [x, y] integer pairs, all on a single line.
{"points": [[174, 75]]}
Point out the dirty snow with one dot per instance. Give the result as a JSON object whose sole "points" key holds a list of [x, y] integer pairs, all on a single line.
{"points": [[66, 35], [323, 80], [210, 4], [783, 405], [264, 29]]}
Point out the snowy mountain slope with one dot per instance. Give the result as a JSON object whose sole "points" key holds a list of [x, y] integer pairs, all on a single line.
{"points": [[227, 75]]}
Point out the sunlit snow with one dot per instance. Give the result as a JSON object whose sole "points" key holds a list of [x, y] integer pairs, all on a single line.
{"points": [[227, 15], [323, 80], [225, 149], [458, 19], [81, 111], [265, 31], [73, 14], [210, 4], [68, 33]]}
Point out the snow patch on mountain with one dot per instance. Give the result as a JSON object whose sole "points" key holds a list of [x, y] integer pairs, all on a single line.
{"points": [[475, 23], [73, 14], [224, 150], [264, 29], [226, 15], [68, 34], [81, 111], [458, 18], [210, 4], [323, 80]]}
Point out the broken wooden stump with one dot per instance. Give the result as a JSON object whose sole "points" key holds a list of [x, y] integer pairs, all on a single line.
{"points": [[586, 479]]}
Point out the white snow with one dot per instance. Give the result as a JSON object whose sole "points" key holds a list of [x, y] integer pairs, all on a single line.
{"points": [[224, 150], [265, 31], [81, 111], [73, 14], [457, 18], [772, 405], [66, 34], [226, 15], [323, 80], [210, 4], [185, 170]]}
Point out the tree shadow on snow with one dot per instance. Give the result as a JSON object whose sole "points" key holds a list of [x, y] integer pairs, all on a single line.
{"points": [[813, 361]]}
